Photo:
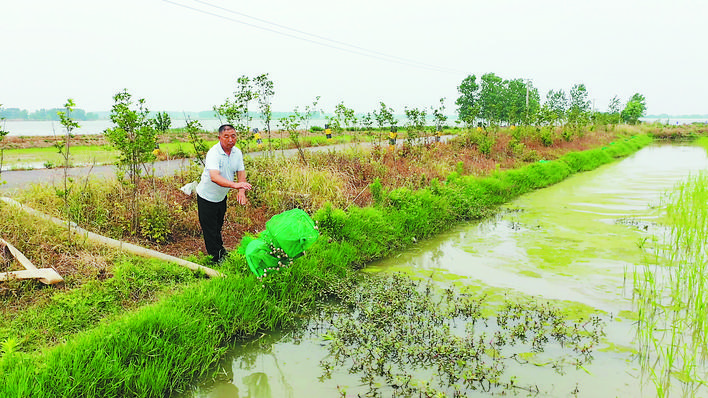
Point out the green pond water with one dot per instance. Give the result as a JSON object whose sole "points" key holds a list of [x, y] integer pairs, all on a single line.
{"points": [[576, 243]]}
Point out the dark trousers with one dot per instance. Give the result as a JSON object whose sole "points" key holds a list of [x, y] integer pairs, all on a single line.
{"points": [[211, 219]]}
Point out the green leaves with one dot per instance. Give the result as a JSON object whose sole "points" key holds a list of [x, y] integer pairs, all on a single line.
{"points": [[467, 102], [636, 107], [579, 107], [497, 100], [235, 109], [162, 122], [134, 135]]}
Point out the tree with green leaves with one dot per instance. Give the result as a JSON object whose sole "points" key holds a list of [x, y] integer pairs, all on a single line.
{"points": [[200, 147], [439, 116], [367, 120], [578, 115], [162, 122], [3, 134], [306, 116], [235, 111], [491, 99], [63, 146], [384, 116], [514, 101], [636, 107], [556, 106], [134, 136], [264, 92], [468, 102], [344, 118], [291, 124], [613, 110], [533, 103], [415, 125]]}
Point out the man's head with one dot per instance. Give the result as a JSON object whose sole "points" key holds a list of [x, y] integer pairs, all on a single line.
{"points": [[227, 137]]}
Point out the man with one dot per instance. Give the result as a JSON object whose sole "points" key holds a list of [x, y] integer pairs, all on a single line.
{"points": [[222, 163]]}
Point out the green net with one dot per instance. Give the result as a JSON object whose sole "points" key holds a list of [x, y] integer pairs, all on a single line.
{"points": [[286, 237]]}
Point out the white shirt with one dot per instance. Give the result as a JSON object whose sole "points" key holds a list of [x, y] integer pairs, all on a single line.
{"points": [[228, 165]]}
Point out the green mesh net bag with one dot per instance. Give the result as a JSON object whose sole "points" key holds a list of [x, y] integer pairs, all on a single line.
{"points": [[286, 237]]}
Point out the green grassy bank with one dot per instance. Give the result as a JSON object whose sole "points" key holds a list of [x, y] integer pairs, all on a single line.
{"points": [[163, 347]]}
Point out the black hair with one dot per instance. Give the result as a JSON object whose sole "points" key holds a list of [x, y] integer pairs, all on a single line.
{"points": [[224, 127]]}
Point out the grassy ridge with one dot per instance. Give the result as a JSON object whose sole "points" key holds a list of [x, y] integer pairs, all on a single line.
{"points": [[164, 347]]}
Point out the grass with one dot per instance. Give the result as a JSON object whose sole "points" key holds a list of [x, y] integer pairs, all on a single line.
{"points": [[55, 318], [49, 157]]}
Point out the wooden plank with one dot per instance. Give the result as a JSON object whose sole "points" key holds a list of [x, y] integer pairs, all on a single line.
{"points": [[45, 275], [18, 255]]}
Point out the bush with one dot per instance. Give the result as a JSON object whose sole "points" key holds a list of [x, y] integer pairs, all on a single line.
{"points": [[155, 221]]}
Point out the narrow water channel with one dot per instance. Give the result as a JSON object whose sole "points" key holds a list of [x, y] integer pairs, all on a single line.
{"points": [[576, 243]]}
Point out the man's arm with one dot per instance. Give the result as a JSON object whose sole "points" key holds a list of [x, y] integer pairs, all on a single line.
{"points": [[218, 179], [241, 178], [241, 185]]}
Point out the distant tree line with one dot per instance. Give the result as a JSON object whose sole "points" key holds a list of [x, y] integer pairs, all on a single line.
{"points": [[45, 114]]}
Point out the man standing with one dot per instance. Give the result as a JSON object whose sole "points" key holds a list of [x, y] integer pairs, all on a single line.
{"points": [[222, 163]]}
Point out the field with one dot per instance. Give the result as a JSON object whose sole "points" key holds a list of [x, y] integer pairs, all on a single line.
{"points": [[368, 203]]}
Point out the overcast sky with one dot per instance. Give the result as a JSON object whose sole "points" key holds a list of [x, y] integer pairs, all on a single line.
{"points": [[402, 52]]}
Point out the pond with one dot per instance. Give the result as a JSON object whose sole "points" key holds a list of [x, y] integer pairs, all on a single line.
{"points": [[576, 243]]}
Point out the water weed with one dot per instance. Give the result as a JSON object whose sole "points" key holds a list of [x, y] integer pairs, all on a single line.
{"points": [[404, 339]]}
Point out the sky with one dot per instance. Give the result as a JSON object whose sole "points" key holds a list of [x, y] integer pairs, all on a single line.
{"points": [[185, 55]]}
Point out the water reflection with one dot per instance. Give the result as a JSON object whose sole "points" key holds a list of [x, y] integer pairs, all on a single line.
{"points": [[256, 387], [576, 240]]}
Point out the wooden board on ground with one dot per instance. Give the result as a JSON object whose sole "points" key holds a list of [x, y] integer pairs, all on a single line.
{"points": [[45, 275]]}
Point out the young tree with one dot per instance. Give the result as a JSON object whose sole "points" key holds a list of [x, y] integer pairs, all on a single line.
{"points": [[636, 107], [415, 124], [578, 107], [264, 92], [306, 116], [200, 147], [134, 137], [3, 134], [614, 109], [162, 122], [344, 118], [555, 107], [350, 119], [367, 121], [291, 124], [468, 101], [383, 116], [439, 116], [235, 111], [63, 147]]}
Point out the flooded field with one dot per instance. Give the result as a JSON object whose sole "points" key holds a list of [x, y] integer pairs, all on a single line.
{"points": [[577, 244]]}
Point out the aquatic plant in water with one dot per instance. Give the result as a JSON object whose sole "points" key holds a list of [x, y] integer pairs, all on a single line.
{"points": [[671, 294], [406, 338]]}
